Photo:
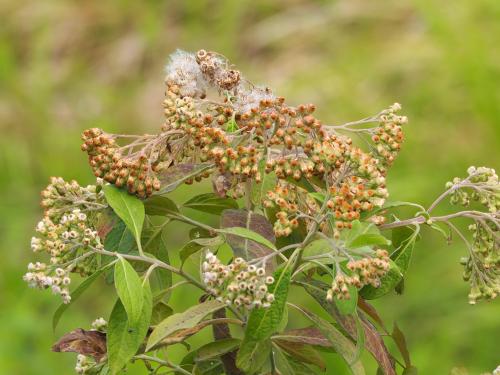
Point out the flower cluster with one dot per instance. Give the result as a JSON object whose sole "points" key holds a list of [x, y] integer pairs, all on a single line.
{"points": [[61, 195], [481, 185], [69, 243], [100, 324], [482, 266], [83, 364], [138, 172], [238, 283], [388, 136], [246, 133], [364, 271]]}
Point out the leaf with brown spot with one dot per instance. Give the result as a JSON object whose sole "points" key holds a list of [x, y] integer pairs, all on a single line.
{"points": [[308, 335], [90, 343], [244, 247]]}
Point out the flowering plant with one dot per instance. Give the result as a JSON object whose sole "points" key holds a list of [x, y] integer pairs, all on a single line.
{"points": [[301, 207]]}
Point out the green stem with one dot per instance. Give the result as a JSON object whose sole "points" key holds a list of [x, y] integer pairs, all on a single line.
{"points": [[162, 362]]}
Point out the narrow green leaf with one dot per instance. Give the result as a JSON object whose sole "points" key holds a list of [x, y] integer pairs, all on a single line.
{"points": [[120, 239], [412, 370], [248, 234], [129, 288], [302, 352], [186, 319], [75, 294], [129, 208], [317, 247], [123, 337], [217, 348], [176, 175], [210, 203], [404, 239], [282, 362]]}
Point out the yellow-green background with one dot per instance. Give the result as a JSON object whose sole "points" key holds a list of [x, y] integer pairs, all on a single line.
{"points": [[69, 65]]}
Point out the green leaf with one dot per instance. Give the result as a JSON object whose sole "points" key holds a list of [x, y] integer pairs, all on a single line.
{"points": [[282, 362], [120, 239], [317, 247], [343, 346], [197, 244], [129, 288], [387, 283], [368, 239], [186, 319], [158, 205], [262, 323], [75, 294], [412, 370], [309, 335], [231, 126], [160, 312], [404, 239], [348, 306], [129, 208], [248, 234], [253, 354], [210, 203], [123, 337], [217, 348], [155, 244]]}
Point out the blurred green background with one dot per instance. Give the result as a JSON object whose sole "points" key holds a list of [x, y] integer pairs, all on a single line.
{"points": [[69, 65]]}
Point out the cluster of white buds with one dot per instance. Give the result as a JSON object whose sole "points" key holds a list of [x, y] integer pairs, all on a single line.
{"points": [[239, 283], [364, 271], [83, 364], [69, 242], [61, 194], [100, 324], [481, 186]]}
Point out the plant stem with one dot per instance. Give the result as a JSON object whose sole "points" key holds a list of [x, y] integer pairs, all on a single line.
{"points": [[162, 362]]}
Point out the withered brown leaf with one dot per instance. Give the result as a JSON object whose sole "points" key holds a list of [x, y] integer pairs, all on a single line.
{"points": [[91, 343]]}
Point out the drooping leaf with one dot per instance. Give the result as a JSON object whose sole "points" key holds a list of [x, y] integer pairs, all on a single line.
{"points": [[373, 341], [217, 348], [129, 288], [302, 352], [250, 235], [89, 343], [128, 207], [75, 294], [399, 338], [343, 346], [125, 337], [282, 362], [387, 283], [309, 335], [160, 206], [176, 175], [184, 320], [197, 244], [210, 203], [155, 244]]}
